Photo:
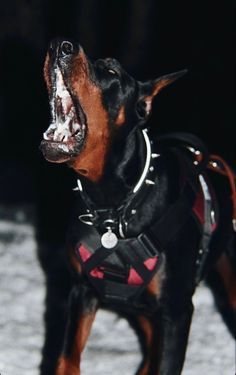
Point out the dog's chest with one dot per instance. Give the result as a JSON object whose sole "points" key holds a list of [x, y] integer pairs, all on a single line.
{"points": [[120, 273]]}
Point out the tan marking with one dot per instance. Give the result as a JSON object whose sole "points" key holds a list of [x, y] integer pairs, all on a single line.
{"points": [[152, 352], [65, 367], [229, 278], [146, 327], [120, 120], [91, 160], [71, 365], [158, 86], [74, 261], [155, 285], [46, 73]]}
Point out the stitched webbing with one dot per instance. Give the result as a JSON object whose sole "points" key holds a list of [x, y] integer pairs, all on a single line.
{"points": [[228, 172]]}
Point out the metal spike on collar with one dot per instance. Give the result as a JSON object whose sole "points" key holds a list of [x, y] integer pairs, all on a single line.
{"points": [[155, 155], [147, 163], [149, 182], [79, 186]]}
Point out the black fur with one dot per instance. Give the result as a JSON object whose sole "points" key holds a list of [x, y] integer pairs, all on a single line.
{"points": [[171, 308]]}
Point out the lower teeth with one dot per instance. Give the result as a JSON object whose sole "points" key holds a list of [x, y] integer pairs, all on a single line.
{"points": [[61, 131]]}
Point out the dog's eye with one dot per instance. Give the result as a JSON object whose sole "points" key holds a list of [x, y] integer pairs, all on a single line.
{"points": [[112, 71]]}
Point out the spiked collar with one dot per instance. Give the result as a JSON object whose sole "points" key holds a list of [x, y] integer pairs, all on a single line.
{"points": [[115, 221]]}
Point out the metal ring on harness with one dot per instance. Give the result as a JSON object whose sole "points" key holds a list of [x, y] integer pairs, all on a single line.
{"points": [[83, 217]]}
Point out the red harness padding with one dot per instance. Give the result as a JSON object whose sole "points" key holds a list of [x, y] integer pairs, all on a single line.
{"points": [[133, 277]]}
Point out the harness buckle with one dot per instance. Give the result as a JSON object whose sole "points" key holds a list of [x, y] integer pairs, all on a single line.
{"points": [[147, 243]]}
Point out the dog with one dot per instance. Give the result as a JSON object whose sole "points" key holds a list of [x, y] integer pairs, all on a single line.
{"points": [[153, 217]]}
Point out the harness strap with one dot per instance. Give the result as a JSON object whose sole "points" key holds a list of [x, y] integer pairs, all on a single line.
{"points": [[151, 242], [219, 165], [133, 258], [97, 258], [190, 142], [130, 255], [208, 228]]}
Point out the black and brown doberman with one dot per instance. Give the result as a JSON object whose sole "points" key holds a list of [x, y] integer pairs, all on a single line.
{"points": [[148, 225]]}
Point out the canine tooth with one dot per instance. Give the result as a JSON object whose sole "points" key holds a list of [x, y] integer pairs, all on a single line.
{"points": [[75, 127], [63, 127], [63, 147], [56, 136], [70, 115], [45, 136], [66, 124], [62, 132], [52, 127]]}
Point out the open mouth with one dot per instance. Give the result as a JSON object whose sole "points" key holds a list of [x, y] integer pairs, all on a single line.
{"points": [[66, 134]]}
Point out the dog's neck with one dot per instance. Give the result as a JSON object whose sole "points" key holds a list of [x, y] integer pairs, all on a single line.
{"points": [[124, 166]]}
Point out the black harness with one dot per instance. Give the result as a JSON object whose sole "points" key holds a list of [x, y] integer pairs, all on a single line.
{"points": [[121, 269]]}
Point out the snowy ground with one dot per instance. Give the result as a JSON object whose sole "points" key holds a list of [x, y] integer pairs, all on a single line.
{"points": [[211, 349]]}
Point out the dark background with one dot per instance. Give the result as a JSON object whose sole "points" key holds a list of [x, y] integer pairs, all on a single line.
{"points": [[150, 38]]}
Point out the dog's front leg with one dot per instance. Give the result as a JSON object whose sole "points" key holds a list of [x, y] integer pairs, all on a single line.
{"points": [[164, 337], [174, 331], [83, 307]]}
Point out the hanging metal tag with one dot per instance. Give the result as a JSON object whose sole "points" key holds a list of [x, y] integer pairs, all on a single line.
{"points": [[109, 239]]}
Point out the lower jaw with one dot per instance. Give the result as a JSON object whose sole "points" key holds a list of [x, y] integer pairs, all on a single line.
{"points": [[58, 152]]}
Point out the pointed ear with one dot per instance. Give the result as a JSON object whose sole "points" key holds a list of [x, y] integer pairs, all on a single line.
{"points": [[151, 88]]}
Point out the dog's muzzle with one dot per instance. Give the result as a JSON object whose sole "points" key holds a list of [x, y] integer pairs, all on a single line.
{"points": [[65, 136]]}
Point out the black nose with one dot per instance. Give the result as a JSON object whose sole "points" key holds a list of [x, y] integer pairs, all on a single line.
{"points": [[66, 48], [62, 48]]}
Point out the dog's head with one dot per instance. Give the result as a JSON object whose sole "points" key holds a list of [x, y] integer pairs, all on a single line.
{"points": [[92, 104]]}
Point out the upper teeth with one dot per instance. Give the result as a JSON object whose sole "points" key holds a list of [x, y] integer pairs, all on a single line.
{"points": [[64, 124], [62, 131], [61, 90]]}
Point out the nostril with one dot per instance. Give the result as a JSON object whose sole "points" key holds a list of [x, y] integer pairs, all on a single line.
{"points": [[66, 48]]}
